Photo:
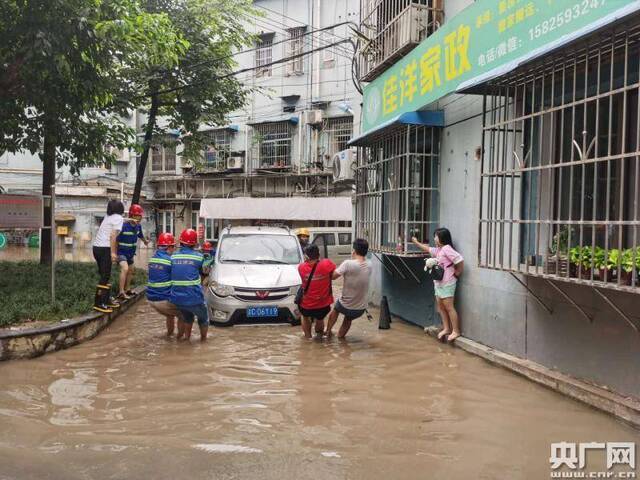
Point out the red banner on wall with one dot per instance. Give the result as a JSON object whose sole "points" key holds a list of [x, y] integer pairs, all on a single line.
{"points": [[20, 211]]}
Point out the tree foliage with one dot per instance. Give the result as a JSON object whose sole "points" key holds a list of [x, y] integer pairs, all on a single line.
{"points": [[200, 89], [62, 73]]}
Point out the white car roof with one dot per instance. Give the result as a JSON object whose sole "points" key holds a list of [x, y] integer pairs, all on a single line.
{"points": [[257, 231]]}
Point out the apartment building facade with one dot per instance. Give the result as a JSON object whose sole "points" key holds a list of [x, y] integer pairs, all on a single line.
{"points": [[514, 124], [303, 109], [300, 114]]}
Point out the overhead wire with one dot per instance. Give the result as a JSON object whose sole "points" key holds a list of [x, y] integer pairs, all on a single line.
{"points": [[248, 69], [284, 28]]}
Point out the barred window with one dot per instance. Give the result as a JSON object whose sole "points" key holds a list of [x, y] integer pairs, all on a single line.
{"points": [[394, 27], [271, 145], [217, 149], [397, 182], [264, 55], [163, 157], [295, 47], [336, 133], [560, 191]]}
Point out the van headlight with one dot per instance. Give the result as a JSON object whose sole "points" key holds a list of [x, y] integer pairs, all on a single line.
{"points": [[221, 290], [294, 290]]}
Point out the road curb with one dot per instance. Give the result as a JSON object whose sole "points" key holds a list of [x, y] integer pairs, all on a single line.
{"points": [[613, 403], [38, 341]]}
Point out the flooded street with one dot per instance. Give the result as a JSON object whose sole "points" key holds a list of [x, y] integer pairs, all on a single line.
{"points": [[259, 402]]}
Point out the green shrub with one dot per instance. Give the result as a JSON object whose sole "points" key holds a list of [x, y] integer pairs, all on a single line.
{"points": [[26, 292], [582, 257]]}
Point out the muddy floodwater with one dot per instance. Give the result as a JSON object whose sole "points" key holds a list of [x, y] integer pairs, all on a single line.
{"points": [[261, 403]]}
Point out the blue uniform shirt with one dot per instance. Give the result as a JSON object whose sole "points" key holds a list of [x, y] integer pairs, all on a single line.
{"points": [[128, 239], [159, 286], [186, 268]]}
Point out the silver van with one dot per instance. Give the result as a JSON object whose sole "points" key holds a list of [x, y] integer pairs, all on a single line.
{"points": [[334, 242]]}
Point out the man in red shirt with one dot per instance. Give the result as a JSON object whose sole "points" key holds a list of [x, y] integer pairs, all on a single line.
{"points": [[318, 296]]}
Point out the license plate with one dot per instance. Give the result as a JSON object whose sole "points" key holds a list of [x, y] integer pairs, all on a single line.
{"points": [[262, 312]]}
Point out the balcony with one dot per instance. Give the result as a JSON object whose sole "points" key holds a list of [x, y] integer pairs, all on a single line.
{"points": [[395, 27]]}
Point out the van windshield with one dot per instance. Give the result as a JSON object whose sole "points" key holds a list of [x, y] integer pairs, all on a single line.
{"points": [[259, 249]]}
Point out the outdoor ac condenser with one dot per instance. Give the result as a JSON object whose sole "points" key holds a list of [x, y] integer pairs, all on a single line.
{"points": [[343, 164], [313, 117], [235, 162]]}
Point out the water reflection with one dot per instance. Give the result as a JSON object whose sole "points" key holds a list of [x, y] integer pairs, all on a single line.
{"points": [[73, 396], [259, 402]]}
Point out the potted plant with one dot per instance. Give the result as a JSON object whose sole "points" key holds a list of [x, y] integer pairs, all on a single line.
{"points": [[613, 265], [581, 261], [574, 259], [627, 266], [599, 261]]}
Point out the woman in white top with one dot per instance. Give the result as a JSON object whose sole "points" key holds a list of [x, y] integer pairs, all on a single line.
{"points": [[105, 251]]}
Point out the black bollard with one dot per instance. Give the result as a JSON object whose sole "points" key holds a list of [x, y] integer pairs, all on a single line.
{"points": [[385, 315]]}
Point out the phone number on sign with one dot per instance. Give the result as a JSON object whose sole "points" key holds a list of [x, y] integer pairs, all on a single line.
{"points": [[570, 14]]}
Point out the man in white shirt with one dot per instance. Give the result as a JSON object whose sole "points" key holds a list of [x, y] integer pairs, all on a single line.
{"points": [[353, 301]]}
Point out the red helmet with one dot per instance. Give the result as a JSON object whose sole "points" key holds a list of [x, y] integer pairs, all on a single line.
{"points": [[189, 237], [136, 210], [207, 247], [166, 240]]}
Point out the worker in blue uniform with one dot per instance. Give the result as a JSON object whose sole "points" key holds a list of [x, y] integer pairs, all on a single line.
{"points": [[127, 244], [187, 267], [159, 285]]}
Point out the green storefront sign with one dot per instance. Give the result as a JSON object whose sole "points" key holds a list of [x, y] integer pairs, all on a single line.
{"points": [[488, 35]]}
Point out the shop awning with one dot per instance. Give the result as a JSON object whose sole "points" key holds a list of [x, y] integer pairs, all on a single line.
{"points": [[283, 118], [431, 118], [281, 209]]}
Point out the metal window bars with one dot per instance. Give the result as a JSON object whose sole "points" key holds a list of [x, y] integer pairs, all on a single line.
{"points": [[264, 55], [295, 47], [560, 182], [271, 146], [336, 133], [394, 27], [216, 151], [397, 180]]}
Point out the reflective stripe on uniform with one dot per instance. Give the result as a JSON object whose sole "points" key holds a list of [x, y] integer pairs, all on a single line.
{"points": [[159, 284], [184, 256], [161, 261], [185, 283], [128, 233], [122, 244]]}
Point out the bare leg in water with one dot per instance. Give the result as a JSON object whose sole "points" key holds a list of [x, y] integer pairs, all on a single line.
{"points": [[344, 328], [333, 318], [454, 319], [446, 322]]}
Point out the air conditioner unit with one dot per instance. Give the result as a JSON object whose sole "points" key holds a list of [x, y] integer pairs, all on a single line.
{"points": [[343, 165], [313, 117], [235, 161]]}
